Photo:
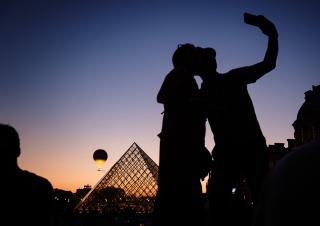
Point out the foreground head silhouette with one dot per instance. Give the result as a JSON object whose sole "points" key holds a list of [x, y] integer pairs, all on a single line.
{"points": [[10, 148], [290, 195], [27, 198], [240, 150]]}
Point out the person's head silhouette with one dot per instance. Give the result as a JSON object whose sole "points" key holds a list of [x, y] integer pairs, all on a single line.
{"points": [[186, 56], [208, 56], [9, 145], [208, 62], [28, 195]]}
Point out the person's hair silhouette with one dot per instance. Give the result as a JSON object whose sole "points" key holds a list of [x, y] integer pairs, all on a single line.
{"points": [[240, 146], [179, 198], [27, 198]]}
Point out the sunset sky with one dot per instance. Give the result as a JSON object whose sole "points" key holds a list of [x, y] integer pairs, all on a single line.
{"points": [[77, 76]]}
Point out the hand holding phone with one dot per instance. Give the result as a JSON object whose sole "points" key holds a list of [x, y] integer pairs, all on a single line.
{"points": [[260, 21], [251, 19]]}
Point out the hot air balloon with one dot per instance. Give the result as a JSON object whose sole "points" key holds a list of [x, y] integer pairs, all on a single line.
{"points": [[100, 156]]}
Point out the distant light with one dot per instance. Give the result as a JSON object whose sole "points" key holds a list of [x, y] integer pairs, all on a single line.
{"points": [[100, 156], [234, 190]]}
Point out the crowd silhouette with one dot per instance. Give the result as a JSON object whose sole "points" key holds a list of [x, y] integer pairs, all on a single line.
{"points": [[239, 154]]}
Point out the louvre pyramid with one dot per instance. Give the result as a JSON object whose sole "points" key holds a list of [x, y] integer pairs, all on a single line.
{"points": [[129, 186]]}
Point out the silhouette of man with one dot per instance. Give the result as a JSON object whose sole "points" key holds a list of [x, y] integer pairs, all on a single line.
{"points": [[179, 200], [27, 199], [240, 146], [290, 195]]}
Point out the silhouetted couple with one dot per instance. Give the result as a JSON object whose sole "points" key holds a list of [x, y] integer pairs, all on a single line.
{"points": [[26, 198], [240, 147]]}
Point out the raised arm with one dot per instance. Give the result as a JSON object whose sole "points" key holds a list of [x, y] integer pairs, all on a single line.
{"points": [[252, 73]]}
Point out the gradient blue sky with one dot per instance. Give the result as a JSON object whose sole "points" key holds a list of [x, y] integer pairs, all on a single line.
{"points": [[81, 75]]}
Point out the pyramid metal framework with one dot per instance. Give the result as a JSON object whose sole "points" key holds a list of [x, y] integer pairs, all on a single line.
{"points": [[129, 186]]}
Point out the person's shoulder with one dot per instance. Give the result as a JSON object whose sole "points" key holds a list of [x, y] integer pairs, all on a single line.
{"points": [[311, 146], [229, 76], [307, 152], [35, 180], [234, 79], [301, 162], [221, 79]]}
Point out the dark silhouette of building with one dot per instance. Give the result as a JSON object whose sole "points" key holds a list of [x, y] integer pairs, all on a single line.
{"points": [[82, 192], [64, 202], [306, 126], [276, 152]]}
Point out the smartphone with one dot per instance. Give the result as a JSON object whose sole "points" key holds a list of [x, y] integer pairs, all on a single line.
{"points": [[250, 19]]}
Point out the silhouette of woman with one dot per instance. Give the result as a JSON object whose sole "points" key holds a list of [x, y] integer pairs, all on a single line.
{"points": [[179, 200]]}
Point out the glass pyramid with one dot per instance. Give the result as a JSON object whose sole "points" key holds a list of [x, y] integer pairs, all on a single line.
{"points": [[130, 186]]}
